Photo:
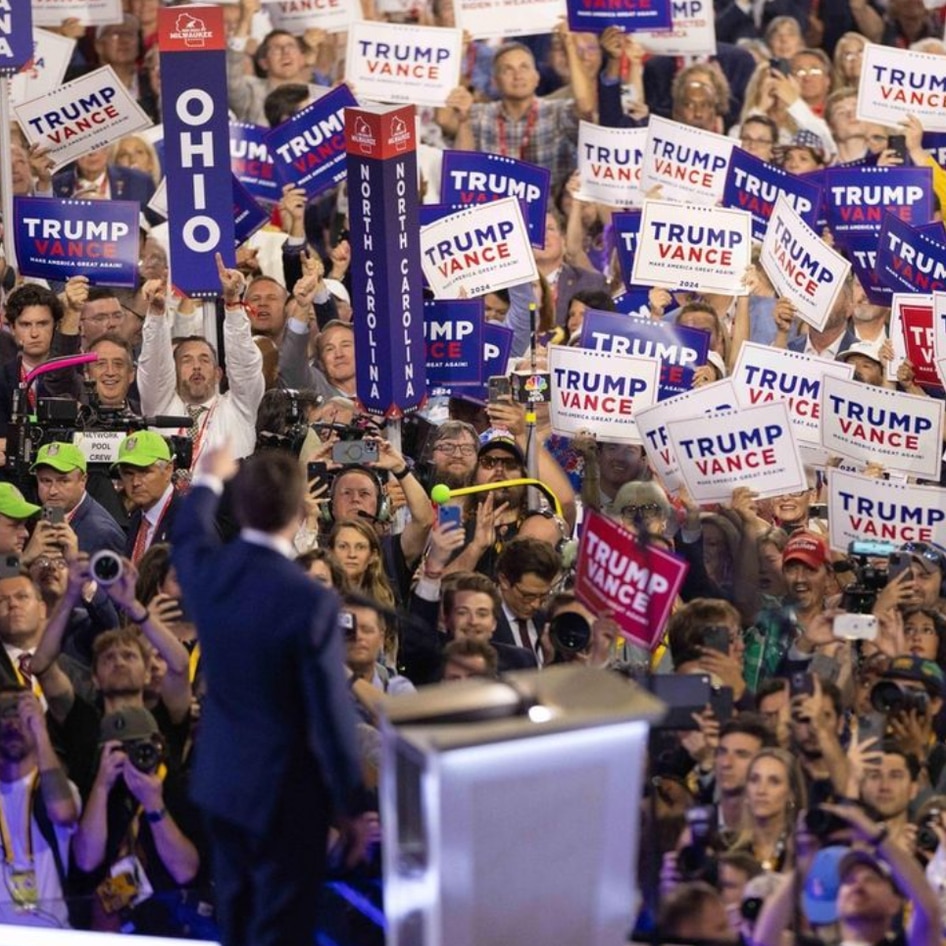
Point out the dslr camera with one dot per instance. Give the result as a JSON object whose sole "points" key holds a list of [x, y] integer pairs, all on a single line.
{"points": [[570, 634], [145, 754], [892, 696]]}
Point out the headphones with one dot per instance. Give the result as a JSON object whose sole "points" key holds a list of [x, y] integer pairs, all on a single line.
{"points": [[382, 511], [567, 546]]}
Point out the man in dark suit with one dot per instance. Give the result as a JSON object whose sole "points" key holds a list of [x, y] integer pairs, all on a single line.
{"points": [[60, 470], [564, 279], [91, 176], [146, 468], [277, 746]]}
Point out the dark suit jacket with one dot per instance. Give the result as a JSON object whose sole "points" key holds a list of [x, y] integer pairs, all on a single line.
{"points": [[847, 340], [162, 533], [511, 655], [96, 529], [732, 24], [124, 183], [574, 279], [272, 655]]}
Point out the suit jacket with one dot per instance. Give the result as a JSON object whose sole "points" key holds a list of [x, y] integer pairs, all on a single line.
{"points": [[511, 655], [272, 654], [799, 342], [96, 528], [574, 279], [124, 183], [163, 531]]}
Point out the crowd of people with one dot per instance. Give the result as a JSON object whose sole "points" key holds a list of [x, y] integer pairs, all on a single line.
{"points": [[808, 798]]}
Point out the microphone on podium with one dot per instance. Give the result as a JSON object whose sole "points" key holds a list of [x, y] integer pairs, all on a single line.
{"points": [[441, 493]]}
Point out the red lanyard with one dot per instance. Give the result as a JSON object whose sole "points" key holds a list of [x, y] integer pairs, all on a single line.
{"points": [[142, 537], [526, 136], [31, 392]]}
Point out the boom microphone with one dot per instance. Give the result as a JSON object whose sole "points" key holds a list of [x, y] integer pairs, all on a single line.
{"points": [[166, 420], [441, 493]]}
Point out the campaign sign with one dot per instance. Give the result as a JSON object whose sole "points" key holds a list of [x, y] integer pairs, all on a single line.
{"points": [[87, 12], [861, 250], [252, 166], [297, 16], [595, 16], [755, 186], [308, 150], [858, 198], [633, 301], [57, 239], [44, 70], [692, 33], [627, 225], [600, 392], [16, 35], [895, 328], [609, 164], [686, 163], [876, 425], [763, 374], [497, 347], [634, 581], [865, 507], [910, 261], [505, 19], [917, 328], [478, 250], [935, 143], [753, 447], [248, 216], [693, 247], [801, 266], [401, 62], [680, 350], [88, 113], [895, 83], [390, 351], [472, 177], [454, 335], [652, 425], [196, 143], [939, 323]]}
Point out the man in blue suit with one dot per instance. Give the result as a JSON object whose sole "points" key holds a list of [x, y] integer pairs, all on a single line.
{"points": [[276, 751], [92, 177], [60, 470]]}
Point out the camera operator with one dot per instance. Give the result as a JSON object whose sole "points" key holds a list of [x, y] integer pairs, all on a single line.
{"points": [[920, 585], [121, 671], [910, 692], [131, 846], [572, 634]]}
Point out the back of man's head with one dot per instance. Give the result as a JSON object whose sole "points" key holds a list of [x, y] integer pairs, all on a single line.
{"points": [[268, 491]]}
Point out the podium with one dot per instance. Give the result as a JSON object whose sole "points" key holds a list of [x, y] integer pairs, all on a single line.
{"points": [[511, 809]]}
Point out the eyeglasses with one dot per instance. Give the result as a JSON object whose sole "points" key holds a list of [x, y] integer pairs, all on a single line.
{"points": [[509, 464], [920, 631], [810, 71], [44, 563], [456, 449], [530, 596], [104, 317], [644, 511]]}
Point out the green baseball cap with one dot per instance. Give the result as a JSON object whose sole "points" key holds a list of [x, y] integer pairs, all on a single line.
{"points": [[64, 457], [142, 448], [13, 505]]}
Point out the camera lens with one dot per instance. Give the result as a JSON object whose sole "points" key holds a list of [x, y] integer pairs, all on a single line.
{"points": [[570, 632], [106, 567]]}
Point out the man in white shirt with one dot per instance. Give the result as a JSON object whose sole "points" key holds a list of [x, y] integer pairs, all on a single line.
{"points": [[185, 378], [40, 808]]}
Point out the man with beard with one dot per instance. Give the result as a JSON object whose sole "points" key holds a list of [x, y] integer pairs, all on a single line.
{"points": [[184, 377], [453, 454], [40, 808]]}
